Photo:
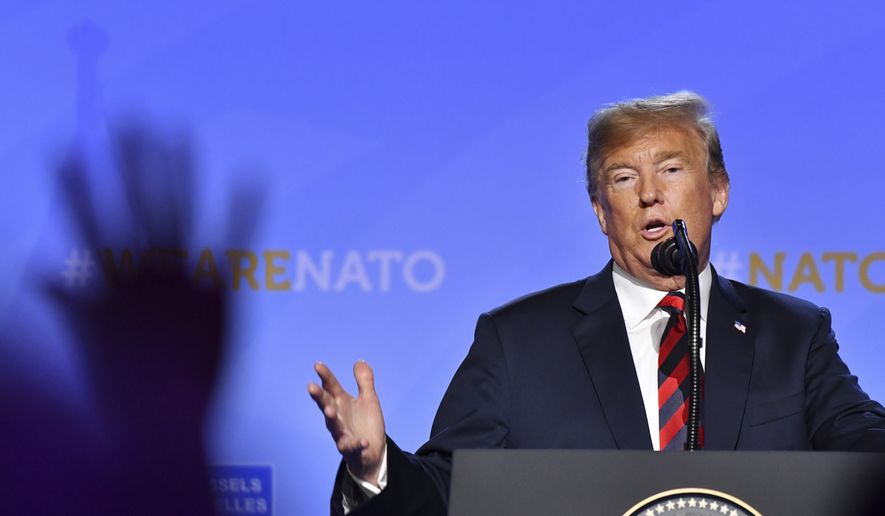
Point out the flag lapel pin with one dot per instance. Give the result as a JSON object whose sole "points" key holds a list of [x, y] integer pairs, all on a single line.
{"points": [[740, 327]]}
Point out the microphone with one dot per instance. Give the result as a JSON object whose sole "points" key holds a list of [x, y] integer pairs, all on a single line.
{"points": [[674, 257], [667, 257]]}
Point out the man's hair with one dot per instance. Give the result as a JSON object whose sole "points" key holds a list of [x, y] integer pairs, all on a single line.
{"points": [[620, 123]]}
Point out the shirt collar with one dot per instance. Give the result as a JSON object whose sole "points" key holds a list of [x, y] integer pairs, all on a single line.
{"points": [[638, 300]]}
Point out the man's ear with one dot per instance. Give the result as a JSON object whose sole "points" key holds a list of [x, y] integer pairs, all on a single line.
{"points": [[599, 210], [720, 186]]}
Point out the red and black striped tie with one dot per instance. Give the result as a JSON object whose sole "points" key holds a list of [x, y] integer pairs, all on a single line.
{"points": [[674, 392]]}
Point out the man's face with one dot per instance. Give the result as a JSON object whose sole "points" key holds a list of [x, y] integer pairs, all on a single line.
{"points": [[646, 184]]}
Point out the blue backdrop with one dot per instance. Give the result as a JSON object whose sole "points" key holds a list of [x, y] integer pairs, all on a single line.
{"points": [[422, 163]]}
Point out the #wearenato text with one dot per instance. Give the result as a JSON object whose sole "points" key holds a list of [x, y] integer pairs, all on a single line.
{"points": [[377, 270]]}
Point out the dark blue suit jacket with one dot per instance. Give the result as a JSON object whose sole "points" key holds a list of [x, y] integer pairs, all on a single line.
{"points": [[554, 370]]}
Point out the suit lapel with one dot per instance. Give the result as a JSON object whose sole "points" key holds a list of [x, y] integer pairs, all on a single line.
{"points": [[602, 341], [729, 361]]}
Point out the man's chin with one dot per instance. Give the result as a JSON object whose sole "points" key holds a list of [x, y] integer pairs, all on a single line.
{"points": [[658, 281], [648, 276]]}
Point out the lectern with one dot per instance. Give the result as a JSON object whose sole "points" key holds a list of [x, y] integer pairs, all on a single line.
{"points": [[584, 482]]}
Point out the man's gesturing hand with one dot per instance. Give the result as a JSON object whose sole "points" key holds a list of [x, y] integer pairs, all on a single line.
{"points": [[356, 424]]}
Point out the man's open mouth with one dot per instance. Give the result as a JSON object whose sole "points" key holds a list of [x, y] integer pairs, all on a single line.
{"points": [[655, 229]]}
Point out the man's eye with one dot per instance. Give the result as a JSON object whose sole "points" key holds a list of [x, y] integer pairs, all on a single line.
{"points": [[672, 170]]}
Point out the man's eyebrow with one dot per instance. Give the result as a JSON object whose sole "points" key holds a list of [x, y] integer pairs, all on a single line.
{"points": [[665, 155], [616, 165]]}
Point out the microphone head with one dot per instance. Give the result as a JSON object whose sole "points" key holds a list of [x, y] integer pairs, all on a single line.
{"points": [[666, 258]]}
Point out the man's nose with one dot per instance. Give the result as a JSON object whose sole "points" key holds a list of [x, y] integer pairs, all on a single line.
{"points": [[650, 191]]}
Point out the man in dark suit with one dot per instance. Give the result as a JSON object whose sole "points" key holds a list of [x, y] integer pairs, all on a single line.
{"points": [[581, 365]]}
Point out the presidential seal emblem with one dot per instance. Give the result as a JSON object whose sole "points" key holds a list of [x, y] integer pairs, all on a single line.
{"points": [[692, 501]]}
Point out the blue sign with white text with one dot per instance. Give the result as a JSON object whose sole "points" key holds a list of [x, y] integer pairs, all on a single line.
{"points": [[242, 489]]}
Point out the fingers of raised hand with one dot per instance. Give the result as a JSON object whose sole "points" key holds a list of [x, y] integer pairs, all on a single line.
{"points": [[365, 378], [348, 445], [320, 396], [328, 406], [330, 383]]}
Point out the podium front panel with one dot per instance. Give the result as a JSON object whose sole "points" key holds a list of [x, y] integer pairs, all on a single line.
{"points": [[584, 482]]}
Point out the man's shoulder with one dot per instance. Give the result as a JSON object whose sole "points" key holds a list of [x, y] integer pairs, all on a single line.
{"points": [[555, 300], [763, 302]]}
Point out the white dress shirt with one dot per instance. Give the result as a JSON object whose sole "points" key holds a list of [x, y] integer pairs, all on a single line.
{"points": [[645, 324]]}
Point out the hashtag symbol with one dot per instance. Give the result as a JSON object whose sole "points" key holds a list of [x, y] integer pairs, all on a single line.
{"points": [[728, 264], [78, 268]]}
